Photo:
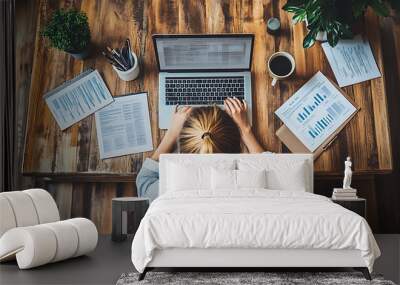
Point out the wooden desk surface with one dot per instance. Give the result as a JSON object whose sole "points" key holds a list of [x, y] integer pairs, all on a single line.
{"points": [[48, 151]]}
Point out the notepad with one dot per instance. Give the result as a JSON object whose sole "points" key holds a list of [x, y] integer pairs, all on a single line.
{"points": [[314, 115], [123, 127], [78, 98]]}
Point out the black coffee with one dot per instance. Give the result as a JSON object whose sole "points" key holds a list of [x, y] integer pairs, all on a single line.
{"points": [[280, 65]]}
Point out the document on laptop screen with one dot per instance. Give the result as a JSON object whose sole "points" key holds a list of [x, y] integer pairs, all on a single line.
{"points": [[315, 111], [123, 127], [204, 53]]}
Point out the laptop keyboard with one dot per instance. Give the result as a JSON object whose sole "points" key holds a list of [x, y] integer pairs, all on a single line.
{"points": [[202, 90]]}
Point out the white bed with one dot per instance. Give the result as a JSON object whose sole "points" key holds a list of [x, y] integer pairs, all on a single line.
{"points": [[248, 227]]}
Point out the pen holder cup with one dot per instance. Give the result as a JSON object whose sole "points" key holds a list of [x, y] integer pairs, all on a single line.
{"points": [[130, 74]]}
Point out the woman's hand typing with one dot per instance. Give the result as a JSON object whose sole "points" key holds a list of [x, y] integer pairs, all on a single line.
{"points": [[178, 119], [237, 110], [168, 141]]}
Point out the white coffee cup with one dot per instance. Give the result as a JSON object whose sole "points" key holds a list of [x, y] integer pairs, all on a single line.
{"points": [[131, 73], [285, 71]]}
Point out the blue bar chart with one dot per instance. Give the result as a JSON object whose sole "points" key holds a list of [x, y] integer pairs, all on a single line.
{"points": [[78, 98], [308, 109], [315, 111], [321, 125], [332, 112]]}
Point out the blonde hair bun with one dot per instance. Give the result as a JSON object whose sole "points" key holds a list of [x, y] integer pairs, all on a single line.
{"points": [[206, 134], [209, 130]]}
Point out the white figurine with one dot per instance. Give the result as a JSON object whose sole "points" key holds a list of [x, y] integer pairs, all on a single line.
{"points": [[347, 174]]}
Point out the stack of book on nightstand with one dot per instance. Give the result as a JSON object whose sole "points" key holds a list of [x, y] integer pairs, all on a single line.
{"points": [[344, 194]]}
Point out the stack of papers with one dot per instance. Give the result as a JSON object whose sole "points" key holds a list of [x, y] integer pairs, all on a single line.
{"points": [[352, 61], [122, 123]]}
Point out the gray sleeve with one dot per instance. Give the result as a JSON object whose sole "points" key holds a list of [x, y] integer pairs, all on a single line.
{"points": [[147, 180]]}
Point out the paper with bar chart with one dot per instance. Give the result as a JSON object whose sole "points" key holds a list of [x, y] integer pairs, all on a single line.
{"points": [[315, 111], [78, 98]]}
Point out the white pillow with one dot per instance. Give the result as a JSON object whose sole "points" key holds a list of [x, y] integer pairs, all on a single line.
{"points": [[251, 179], [223, 179], [237, 179], [282, 174], [189, 176]]}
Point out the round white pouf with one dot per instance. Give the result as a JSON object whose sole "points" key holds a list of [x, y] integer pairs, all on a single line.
{"points": [[7, 218], [67, 240], [45, 205], [23, 208], [87, 234], [40, 244], [31, 232], [33, 246]]}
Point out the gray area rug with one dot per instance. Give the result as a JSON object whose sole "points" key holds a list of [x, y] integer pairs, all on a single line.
{"points": [[244, 278]]}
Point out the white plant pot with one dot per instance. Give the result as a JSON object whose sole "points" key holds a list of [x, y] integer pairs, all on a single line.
{"points": [[321, 36], [130, 74]]}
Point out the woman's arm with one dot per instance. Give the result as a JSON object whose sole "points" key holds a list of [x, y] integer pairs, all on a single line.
{"points": [[250, 141], [237, 109], [168, 142], [147, 179]]}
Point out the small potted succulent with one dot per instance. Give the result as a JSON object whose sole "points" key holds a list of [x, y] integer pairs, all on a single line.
{"points": [[333, 20], [68, 30]]}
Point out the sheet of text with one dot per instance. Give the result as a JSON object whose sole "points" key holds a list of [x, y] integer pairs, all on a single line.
{"points": [[123, 127]]}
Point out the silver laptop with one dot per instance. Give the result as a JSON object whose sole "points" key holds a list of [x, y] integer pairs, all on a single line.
{"points": [[201, 70]]}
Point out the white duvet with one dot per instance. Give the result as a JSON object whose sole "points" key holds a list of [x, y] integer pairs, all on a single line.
{"points": [[254, 218]]}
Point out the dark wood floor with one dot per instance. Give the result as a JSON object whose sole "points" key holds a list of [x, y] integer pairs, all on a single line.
{"points": [[106, 264]]}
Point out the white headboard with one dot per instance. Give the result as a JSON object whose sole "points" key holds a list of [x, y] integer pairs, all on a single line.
{"points": [[210, 158]]}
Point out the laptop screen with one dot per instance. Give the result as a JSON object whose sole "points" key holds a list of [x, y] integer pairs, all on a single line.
{"points": [[203, 52]]}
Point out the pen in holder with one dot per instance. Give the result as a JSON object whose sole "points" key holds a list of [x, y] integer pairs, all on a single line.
{"points": [[124, 61], [130, 74]]}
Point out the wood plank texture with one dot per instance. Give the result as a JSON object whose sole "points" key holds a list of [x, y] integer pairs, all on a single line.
{"points": [[88, 200], [48, 151], [382, 195]]}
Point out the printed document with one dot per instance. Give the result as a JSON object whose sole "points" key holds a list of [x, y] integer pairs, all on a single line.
{"points": [[123, 127], [352, 61], [78, 98], [315, 111]]}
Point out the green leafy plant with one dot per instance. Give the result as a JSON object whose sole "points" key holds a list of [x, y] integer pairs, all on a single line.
{"points": [[68, 30], [335, 17]]}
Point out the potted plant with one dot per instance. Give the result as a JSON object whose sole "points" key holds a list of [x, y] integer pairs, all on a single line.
{"points": [[68, 30], [332, 20]]}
